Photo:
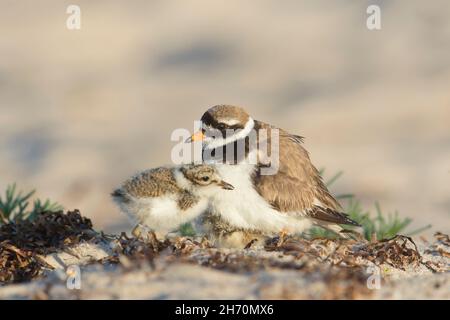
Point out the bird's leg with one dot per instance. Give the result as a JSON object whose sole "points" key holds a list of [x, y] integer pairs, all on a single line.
{"points": [[249, 245], [148, 236], [137, 231], [153, 240], [282, 237]]}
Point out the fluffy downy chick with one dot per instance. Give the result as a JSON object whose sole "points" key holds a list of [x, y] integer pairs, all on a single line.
{"points": [[164, 198]]}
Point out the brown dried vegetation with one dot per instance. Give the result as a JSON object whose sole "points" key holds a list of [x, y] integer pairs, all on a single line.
{"points": [[341, 264], [23, 243]]}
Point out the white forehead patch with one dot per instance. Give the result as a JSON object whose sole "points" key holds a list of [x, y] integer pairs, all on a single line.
{"points": [[229, 122]]}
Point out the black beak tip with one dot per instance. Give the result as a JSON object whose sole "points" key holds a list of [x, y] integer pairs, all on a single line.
{"points": [[227, 186]]}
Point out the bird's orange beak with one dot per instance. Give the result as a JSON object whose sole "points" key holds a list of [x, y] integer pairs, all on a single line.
{"points": [[198, 136]]}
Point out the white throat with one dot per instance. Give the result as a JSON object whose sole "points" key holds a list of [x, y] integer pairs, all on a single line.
{"points": [[212, 143]]}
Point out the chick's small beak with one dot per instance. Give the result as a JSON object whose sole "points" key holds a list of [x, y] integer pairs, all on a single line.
{"points": [[226, 185], [198, 136]]}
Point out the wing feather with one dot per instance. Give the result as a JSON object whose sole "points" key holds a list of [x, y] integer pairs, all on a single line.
{"points": [[298, 187], [329, 215]]}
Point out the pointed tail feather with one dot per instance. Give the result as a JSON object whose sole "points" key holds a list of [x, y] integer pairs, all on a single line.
{"points": [[330, 215]]}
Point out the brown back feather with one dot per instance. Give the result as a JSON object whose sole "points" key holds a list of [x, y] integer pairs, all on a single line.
{"points": [[298, 183]]}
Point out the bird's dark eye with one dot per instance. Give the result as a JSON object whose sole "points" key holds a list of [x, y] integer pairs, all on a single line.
{"points": [[205, 178]]}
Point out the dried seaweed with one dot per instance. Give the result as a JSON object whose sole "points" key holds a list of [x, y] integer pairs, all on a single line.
{"points": [[442, 238], [17, 265], [439, 248], [22, 242], [184, 245], [341, 264], [398, 252], [49, 232], [131, 252]]}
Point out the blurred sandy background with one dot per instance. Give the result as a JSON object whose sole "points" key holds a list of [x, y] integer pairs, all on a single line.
{"points": [[82, 110]]}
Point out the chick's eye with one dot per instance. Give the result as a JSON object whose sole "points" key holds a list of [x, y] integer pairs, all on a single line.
{"points": [[205, 178]]}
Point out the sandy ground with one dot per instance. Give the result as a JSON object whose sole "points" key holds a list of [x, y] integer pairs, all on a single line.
{"points": [[192, 269], [80, 111], [175, 281]]}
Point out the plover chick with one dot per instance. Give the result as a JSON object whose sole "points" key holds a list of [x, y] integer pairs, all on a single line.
{"points": [[164, 198]]}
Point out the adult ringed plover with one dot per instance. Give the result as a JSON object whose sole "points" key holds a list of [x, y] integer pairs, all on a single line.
{"points": [[289, 201]]}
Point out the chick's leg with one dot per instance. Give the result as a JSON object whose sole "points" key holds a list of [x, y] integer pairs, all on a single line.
{"points": [[137, 231]]}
